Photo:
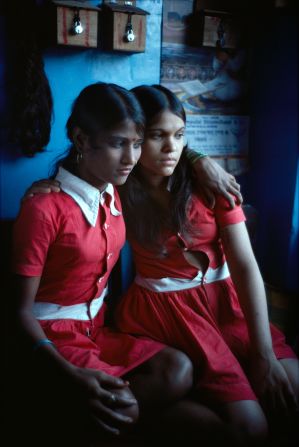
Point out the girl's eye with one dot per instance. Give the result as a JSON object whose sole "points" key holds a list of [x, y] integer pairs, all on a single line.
{"points": [[155, 136], [179, 135], [137, 145], [117, 144]]}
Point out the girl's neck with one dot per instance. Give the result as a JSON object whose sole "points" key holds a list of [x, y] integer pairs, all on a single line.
{"points": [[156, 186], [152, 181], [101, 186]]}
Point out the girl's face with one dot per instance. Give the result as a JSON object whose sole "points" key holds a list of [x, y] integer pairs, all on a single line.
{"points": [[110, 156], [163, 145]]}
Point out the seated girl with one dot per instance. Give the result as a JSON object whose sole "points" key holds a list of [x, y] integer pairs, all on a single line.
{"points": [[198, 287], [65, 246]]}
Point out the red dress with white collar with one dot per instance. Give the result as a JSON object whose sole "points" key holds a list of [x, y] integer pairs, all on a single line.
{"points": [[53, 239]]}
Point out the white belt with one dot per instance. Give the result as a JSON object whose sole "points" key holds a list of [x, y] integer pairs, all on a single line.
{"points": [[84, 311], [172, 284]]}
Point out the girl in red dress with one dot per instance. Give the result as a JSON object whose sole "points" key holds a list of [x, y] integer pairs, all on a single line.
{"points": [[198, 287], [65, 246]]}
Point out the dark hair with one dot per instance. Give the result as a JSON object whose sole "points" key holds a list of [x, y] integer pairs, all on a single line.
{"points": [[156, 99], [100, 106], [31, 103], [145, 218]]}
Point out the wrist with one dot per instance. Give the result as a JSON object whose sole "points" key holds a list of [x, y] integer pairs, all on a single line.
{"points": [[265, 353], [194, 156], [42, 343]]}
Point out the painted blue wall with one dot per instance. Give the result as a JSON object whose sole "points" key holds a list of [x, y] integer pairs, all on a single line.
{"points": [[68, 71], [270, 186]]}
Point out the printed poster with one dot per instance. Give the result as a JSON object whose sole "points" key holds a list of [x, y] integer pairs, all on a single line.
{"points": [[213, 86]]}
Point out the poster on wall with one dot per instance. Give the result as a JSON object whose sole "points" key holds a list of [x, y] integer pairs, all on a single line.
{"points": [[212, 84]]}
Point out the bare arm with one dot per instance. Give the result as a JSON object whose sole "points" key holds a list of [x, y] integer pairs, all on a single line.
{"points": [[91, 384], [267, 374], [213, 179]]}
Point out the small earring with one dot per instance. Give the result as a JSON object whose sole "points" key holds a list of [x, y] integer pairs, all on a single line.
{"points": [[79, 157]]}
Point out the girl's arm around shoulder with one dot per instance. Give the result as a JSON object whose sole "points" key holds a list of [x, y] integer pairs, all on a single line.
{"points": [[212, 179], [43, 186]]}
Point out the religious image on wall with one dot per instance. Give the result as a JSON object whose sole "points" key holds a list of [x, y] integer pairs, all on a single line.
{"points": [[212, 84]]}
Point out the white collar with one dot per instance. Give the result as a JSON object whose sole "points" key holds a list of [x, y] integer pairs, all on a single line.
{"points": [[86, 196]]}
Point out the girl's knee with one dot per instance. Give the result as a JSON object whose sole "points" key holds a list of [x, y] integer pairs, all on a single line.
{"points": [[176, 372], [248, 421]]}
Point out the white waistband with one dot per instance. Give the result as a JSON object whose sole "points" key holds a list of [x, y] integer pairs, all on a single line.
{"points": [[84, 311], [172, 284]]}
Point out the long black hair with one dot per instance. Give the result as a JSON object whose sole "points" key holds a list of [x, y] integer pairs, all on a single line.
{"points": [[31, 103], [145, 218], [100, 106]]}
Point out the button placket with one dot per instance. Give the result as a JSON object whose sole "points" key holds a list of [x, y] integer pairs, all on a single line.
{"points": [[109, 237], [102, 264]]}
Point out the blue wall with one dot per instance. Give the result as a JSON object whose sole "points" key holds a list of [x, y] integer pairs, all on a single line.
{"points": [[270, 186], [68, 71]]}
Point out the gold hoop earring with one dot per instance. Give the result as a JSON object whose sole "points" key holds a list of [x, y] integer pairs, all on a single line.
{"points": [[79, 157]]}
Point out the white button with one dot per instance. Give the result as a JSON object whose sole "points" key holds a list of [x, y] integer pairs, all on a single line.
{"points": [[185, 249], [105, 226], [100, 279], [204, 279], [109, 255]]}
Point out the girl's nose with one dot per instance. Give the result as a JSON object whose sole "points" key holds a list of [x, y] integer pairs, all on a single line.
{"points": [[170, 145], [129, 156]]}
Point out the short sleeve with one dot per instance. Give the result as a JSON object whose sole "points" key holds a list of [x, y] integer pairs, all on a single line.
{"points": [[225, 215], [32, 235]]}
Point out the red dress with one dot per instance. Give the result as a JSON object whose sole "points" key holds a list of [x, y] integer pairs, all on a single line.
{"points": [[72, 241], [203, 320]]}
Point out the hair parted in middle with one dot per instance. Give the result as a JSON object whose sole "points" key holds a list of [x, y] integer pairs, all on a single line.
{"points": [[144, 217]]}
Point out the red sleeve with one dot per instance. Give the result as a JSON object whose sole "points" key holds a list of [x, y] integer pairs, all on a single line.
{"points": [[225, 215], [32, 235]]}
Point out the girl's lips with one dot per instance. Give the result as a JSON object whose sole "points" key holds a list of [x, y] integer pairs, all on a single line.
{"points": [[169, 162], [124, 171]]}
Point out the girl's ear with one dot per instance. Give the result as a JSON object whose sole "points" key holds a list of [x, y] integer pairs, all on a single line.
{"points": [[80, 139]]}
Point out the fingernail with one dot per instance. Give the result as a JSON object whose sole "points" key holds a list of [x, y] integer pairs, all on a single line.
{"points": [[130, 420]]}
